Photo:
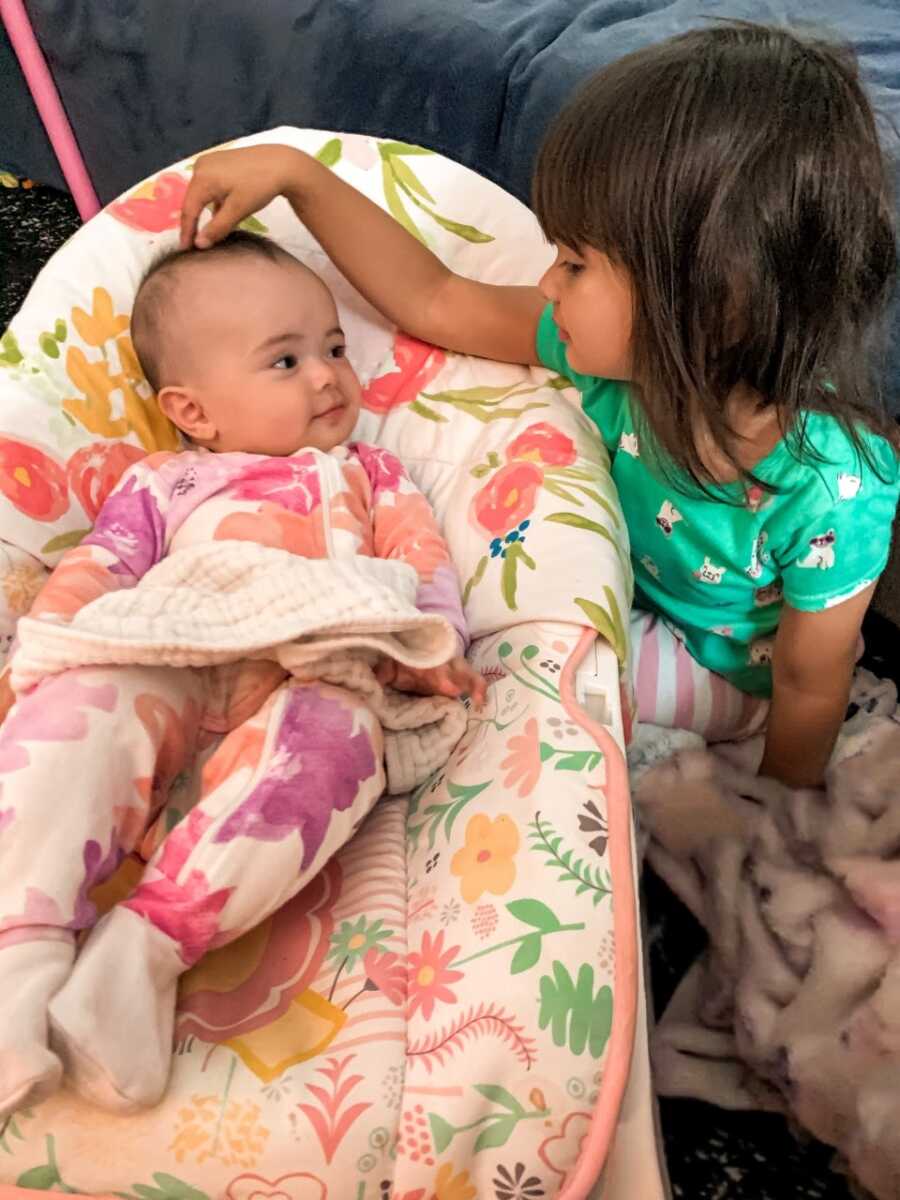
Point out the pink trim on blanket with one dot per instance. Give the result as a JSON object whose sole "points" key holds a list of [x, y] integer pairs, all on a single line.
{"points": [[595, 1147], [46, 97]]}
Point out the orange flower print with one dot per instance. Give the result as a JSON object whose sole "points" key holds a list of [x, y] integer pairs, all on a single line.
{"points": [[78, 579], [508, 498], [154, 206], [416, 363], [32, 481], [448, 1186], [229, 1133], [486, 863], [407, 530], [297, 1186], [544, 444], [523, 763], [101, 323], [93, 472], [429, 976], [275, 526]]}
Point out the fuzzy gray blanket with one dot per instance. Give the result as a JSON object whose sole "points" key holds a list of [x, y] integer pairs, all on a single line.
{"points": [[795, 1005]]}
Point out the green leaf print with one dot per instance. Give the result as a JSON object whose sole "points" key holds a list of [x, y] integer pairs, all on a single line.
{"points": [[608, 624], [407, 177], [392, 149], [536, 913], [60, 331], [500, 1126], [330, 153], [497, 1134], [10, 1128], [443, 816], [477, 577], [64, 541], [545, 840], [499, 1095], [11, 355], [168, 1188], [515, 553], [527, 954], [576, 1014], [395, 204], [253, 225], [46, 1177], [422, 410], [467, 232], [442, 1132], [47, 343]]}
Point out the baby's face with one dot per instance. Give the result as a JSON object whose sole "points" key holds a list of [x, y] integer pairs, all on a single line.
{"points": [[260, 344]]}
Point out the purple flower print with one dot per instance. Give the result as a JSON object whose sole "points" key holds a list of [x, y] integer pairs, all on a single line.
{"points": [[96, 869], [316, 769], [293, 483], [130, 526]]}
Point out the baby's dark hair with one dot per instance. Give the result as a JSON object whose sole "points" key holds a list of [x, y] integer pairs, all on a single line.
{"points": [[735, 173], [157, 289]]}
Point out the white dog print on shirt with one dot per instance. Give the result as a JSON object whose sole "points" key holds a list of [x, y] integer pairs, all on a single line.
{"points": [[667, 516], [628, 443], [708, 573], [821, 551], [848, 486]]}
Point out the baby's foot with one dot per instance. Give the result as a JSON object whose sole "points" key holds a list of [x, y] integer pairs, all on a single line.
{"points": [[112, 1023], [30, 973]]}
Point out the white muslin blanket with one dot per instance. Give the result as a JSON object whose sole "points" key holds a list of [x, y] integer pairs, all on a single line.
{"points": [[227, 601]]}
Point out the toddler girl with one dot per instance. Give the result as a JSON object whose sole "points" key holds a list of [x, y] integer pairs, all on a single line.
{"points": [[724, 239]]}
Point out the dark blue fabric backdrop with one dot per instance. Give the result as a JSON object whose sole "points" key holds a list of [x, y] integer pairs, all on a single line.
{"points": [[149, 81]]}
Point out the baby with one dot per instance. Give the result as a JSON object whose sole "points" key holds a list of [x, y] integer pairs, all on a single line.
{"points": [[244, 347]]}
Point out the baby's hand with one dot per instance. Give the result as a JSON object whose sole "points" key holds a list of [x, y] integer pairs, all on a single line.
{"points": [[455, 678]]}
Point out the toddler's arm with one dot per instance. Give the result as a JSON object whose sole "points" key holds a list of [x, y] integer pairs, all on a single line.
{"points": [[812, 669], [394, 271]]}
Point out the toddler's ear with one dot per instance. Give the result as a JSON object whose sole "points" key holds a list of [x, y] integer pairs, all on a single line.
{"points": [[183, 408]]}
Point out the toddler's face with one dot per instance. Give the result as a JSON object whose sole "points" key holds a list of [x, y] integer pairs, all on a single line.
{"points": [[261, 348], [593, 309]]}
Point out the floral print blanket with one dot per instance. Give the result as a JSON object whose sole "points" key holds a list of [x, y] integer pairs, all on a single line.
{"points": [[446, 1012]]}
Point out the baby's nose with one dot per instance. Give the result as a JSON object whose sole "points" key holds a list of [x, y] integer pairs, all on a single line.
{"points": [[320, 371]]}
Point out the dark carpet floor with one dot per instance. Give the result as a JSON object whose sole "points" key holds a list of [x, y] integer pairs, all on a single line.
{"points": [[712, 1154]]}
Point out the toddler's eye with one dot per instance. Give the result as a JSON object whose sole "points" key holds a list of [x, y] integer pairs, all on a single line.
{"points": [[338, 351], [286, 363], [571, 268]]}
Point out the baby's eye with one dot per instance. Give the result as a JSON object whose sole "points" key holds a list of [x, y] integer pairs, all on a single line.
{"points": [[571, 268], [286, 363], [339, 351]]}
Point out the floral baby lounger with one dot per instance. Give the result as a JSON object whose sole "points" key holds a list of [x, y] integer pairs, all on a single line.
{"points": [[449, 1010]]}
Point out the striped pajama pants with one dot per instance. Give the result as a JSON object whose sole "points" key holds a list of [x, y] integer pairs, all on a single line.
{"points": [[674, 691]]}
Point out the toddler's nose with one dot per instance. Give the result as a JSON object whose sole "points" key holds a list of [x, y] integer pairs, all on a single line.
{"points": [[547, 284]]}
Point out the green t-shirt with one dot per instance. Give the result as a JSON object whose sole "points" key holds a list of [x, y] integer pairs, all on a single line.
{"points": [[717, 572]]}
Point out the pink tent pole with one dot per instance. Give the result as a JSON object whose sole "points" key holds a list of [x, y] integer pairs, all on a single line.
{"points": [[46, 97]]}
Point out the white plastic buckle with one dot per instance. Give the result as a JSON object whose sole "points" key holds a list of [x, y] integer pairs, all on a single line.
{"points": [[597, 689]]}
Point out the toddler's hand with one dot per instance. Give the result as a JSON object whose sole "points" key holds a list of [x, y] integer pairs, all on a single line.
{"points": [[236, 183], [455, 678]]}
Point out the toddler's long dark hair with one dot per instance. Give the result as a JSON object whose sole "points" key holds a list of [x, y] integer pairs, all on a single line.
{"points": [[735, 172]]}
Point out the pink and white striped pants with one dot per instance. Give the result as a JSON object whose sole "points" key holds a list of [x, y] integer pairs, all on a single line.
{"points": [[674, 691]]}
